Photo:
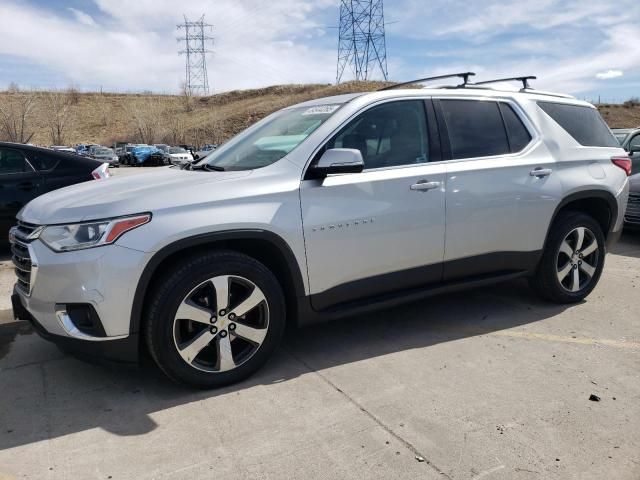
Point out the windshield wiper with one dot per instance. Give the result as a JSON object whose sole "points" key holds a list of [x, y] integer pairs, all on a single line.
{"points": [[204, 166]]}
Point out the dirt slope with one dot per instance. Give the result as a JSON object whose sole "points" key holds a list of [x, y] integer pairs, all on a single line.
{"points": [[105, 118]]}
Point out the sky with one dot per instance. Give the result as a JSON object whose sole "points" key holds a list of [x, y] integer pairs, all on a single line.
{"points": [[589, 49]]}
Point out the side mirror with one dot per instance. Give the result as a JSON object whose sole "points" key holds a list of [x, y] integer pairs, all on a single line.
{"points": [[337, 161]]}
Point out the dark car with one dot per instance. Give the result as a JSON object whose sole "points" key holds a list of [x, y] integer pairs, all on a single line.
{"points": [[27, 172], [632, 214], [629, 139]]}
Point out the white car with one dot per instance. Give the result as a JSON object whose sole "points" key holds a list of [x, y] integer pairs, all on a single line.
{"points": [[179, 156], [324, 209]]}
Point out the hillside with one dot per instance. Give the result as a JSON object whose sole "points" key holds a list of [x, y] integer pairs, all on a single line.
{"points": [[72, 117]]}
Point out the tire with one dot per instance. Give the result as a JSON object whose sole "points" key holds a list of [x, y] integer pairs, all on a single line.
{"points": [[248, 340], [565, 254]]}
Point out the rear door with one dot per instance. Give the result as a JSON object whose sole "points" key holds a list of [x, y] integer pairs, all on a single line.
{"points": [[381, 230], [19, 183], [498, 209]]}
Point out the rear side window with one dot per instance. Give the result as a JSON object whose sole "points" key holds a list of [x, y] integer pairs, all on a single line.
{"points": [[41, 161], [475, 128], [584, 124], [519, 136]]}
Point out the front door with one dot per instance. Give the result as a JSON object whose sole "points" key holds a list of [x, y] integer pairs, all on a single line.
{"points": [[19, 183], [381, 230]]}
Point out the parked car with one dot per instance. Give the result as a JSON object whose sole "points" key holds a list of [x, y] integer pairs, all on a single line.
{"points": [[107, 155], [84, 149], [632, 214], [62, 148], [179, 156], [321, 210], [146, 155], [27, 172], [629, 138], [204, 151]]}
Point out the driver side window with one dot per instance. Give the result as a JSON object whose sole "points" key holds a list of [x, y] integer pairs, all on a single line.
{"points": [[389, 135]]}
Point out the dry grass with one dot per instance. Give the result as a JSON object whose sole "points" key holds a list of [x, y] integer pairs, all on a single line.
{"points": [[106, 117]]}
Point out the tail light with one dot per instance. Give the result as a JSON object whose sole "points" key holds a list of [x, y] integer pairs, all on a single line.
{"points": [[624, 163], [101, 172]]}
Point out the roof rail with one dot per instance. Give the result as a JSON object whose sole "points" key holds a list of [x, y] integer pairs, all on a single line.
{"points": [[524, 80], [464, 75]]}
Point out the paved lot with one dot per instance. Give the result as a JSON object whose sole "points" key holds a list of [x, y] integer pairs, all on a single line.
{"points": [[490, 384]]}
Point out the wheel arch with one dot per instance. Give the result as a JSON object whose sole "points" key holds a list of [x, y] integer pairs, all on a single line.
{"points": [[266, 247], [600, 204]]}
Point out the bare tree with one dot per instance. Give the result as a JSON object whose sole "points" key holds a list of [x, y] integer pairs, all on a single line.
{"points": [[186, 97], [175, 130], [16, 111], [146, 116], [58, 114]]}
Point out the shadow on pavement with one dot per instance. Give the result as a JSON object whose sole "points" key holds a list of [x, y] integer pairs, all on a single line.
{"points": [[46, 394], [629, 244]]}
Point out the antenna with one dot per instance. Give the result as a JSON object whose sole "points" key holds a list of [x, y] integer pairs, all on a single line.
{"points": [[361, 39], [464, 76], [196, 79]]}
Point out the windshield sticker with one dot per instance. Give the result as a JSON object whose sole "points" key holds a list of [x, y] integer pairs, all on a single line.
{"points": [[321, 110]]}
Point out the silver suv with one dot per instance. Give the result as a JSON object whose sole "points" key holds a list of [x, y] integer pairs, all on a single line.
{"points": [[324, 209]]}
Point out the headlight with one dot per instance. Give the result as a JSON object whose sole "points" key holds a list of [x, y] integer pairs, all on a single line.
{"points": [[77, 236]]}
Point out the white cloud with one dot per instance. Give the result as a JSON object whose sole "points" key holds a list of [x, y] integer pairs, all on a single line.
{"points": [[609, 74], [132, 45], [82, 17]]}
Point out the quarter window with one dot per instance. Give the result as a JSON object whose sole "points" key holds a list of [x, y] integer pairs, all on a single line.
{"points": [[584, 124], [388, 135], [12, 161], [475, 128]]}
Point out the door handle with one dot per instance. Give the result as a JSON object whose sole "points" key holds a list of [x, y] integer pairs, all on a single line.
{"points": [[540, 172], [423, 186]]}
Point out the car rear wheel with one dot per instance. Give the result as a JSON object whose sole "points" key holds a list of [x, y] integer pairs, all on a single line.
{"points": [[573, 259], [214, 319]]}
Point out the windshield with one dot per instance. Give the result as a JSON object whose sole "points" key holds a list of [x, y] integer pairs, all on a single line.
{"points": [[270, 140], [177, 150]]}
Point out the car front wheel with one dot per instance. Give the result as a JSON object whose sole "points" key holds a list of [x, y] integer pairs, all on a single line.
{"points": [[214, 319]]}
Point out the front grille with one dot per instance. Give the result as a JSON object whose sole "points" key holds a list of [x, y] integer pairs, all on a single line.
{"points": [[19, 239]]}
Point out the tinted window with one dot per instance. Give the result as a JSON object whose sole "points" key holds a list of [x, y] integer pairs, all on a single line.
{"points": [[517, 133], [42, 161], [388, 135], [584, 124], [12, 161], [475, 128], [634, 144]]}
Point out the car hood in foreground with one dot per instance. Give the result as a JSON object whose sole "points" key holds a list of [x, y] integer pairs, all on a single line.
{"points": [[113, 197]]}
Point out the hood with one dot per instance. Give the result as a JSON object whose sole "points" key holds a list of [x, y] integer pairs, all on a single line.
{"points": [[634, 183], [117, 196]]}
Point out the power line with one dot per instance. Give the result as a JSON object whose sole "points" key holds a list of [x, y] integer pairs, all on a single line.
{"points": [[196, 41], [361, 39]]}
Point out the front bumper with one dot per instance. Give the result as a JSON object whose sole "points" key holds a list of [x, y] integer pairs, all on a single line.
{"points": [[104, 278], [122, 350]]}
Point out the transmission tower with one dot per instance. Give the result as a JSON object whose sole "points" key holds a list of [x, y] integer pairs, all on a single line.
{"points": [[361, 43], [196, 41]]}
